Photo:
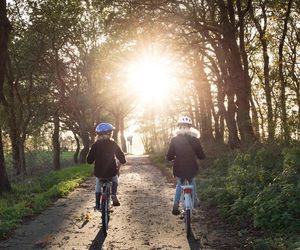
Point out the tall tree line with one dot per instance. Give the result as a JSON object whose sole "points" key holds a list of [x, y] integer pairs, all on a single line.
{"points": [[62, 63], [4, 33], [242, 62], [56, 70]]}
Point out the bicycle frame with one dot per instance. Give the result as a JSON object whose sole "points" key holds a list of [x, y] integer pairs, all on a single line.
{"points": [[105, 203], [187, 199]]}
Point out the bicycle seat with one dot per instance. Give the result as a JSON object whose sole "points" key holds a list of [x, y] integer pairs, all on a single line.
{"points": [[105, 180]]}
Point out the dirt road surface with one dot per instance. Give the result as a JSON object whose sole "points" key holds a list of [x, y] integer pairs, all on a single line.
{"points": [[143, 221]]}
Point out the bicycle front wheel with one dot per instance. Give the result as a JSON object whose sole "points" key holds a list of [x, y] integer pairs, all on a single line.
{"points": [[187, 220], [105, 215]]}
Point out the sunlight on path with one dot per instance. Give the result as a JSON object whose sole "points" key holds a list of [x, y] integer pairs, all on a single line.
{"points": [[144, 219]]}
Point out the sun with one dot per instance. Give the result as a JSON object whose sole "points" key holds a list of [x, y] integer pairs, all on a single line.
{"points": [[151, 78]]}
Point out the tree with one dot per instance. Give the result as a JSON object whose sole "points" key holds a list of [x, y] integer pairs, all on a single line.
{"points": [[4, 32], [4, 183], [284, 120], [263, 38], [5, 28]]}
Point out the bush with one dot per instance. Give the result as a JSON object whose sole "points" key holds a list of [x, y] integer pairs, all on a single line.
{"points": [[34, 195], [260, 187], [277, 206]]}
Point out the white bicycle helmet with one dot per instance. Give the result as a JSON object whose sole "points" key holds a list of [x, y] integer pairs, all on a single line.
{"points": [[185, 120]]}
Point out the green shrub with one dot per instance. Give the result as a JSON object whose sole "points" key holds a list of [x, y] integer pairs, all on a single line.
{"points": [[277, 206], [160, 161], [260, 186], [34, 195]]}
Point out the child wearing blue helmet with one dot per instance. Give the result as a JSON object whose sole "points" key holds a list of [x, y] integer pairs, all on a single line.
{"points": [[104, 153]]}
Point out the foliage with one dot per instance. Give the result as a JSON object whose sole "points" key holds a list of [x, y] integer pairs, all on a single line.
{"points": [[32, 196], [277, 205], [159, 160], [259, 187], [39, 161]]}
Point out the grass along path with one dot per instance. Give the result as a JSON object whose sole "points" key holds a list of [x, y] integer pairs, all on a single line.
{"points": [[31, 197]]}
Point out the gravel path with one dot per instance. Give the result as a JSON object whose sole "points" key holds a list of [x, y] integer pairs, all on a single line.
{"points": [[143, 221]]}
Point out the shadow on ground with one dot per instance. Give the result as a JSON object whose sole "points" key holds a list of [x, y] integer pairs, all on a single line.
{"points": [[193, 242], [97, 243]]}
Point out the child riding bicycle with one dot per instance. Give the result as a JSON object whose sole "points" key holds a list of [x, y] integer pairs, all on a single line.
{"points": [[104, 152], [183, 150]]}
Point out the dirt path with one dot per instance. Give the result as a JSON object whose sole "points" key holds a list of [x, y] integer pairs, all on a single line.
{"points": [[143, 221]]}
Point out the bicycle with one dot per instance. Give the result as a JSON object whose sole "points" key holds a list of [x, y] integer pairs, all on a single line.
{"points": [[105, 202], [187, 200]]}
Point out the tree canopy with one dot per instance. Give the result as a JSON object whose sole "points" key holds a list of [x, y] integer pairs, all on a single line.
{"points": [[233, 66]]}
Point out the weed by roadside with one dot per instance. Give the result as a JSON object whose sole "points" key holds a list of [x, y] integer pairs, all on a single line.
{"points": [[31, 197], [258, 189]]}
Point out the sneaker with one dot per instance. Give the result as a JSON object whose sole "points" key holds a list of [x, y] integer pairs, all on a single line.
{"points": [[175, 210], [96, 208], [115, 200]]}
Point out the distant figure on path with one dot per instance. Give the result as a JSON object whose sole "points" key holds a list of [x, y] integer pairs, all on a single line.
{"points": [[129, 139]]}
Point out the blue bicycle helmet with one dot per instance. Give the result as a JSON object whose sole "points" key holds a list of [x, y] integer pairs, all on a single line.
{"points": [[104, 128]]}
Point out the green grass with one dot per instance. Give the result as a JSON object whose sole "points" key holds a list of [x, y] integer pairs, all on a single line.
{"points": [[67, 155], [40, 158], [38, 162], [159, 160], [32, 196]]}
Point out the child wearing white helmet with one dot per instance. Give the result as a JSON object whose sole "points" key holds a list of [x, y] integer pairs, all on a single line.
{"points": [[104, 153], [183, 150]]}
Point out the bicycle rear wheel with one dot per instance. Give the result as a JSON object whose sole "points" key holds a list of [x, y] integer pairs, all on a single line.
{"points": [[187, 220], [105, 215]]}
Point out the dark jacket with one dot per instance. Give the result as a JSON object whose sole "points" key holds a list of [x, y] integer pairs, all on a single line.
{"points": [[103, 153], [183, 151]]}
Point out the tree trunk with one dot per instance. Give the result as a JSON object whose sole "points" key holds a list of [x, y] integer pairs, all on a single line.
{"points": [[240, 84], [4, 183], [261, 114], [204, 96], [75, 156], [197, 112], [225, 89], [284, 122], [123, 140], [4, 33], [14, 133], [86, 145], [14, 138], [220, 116], [233, 139], [267, 88], [55, 142], [255, 119], [116, 131], [22, 155]]}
